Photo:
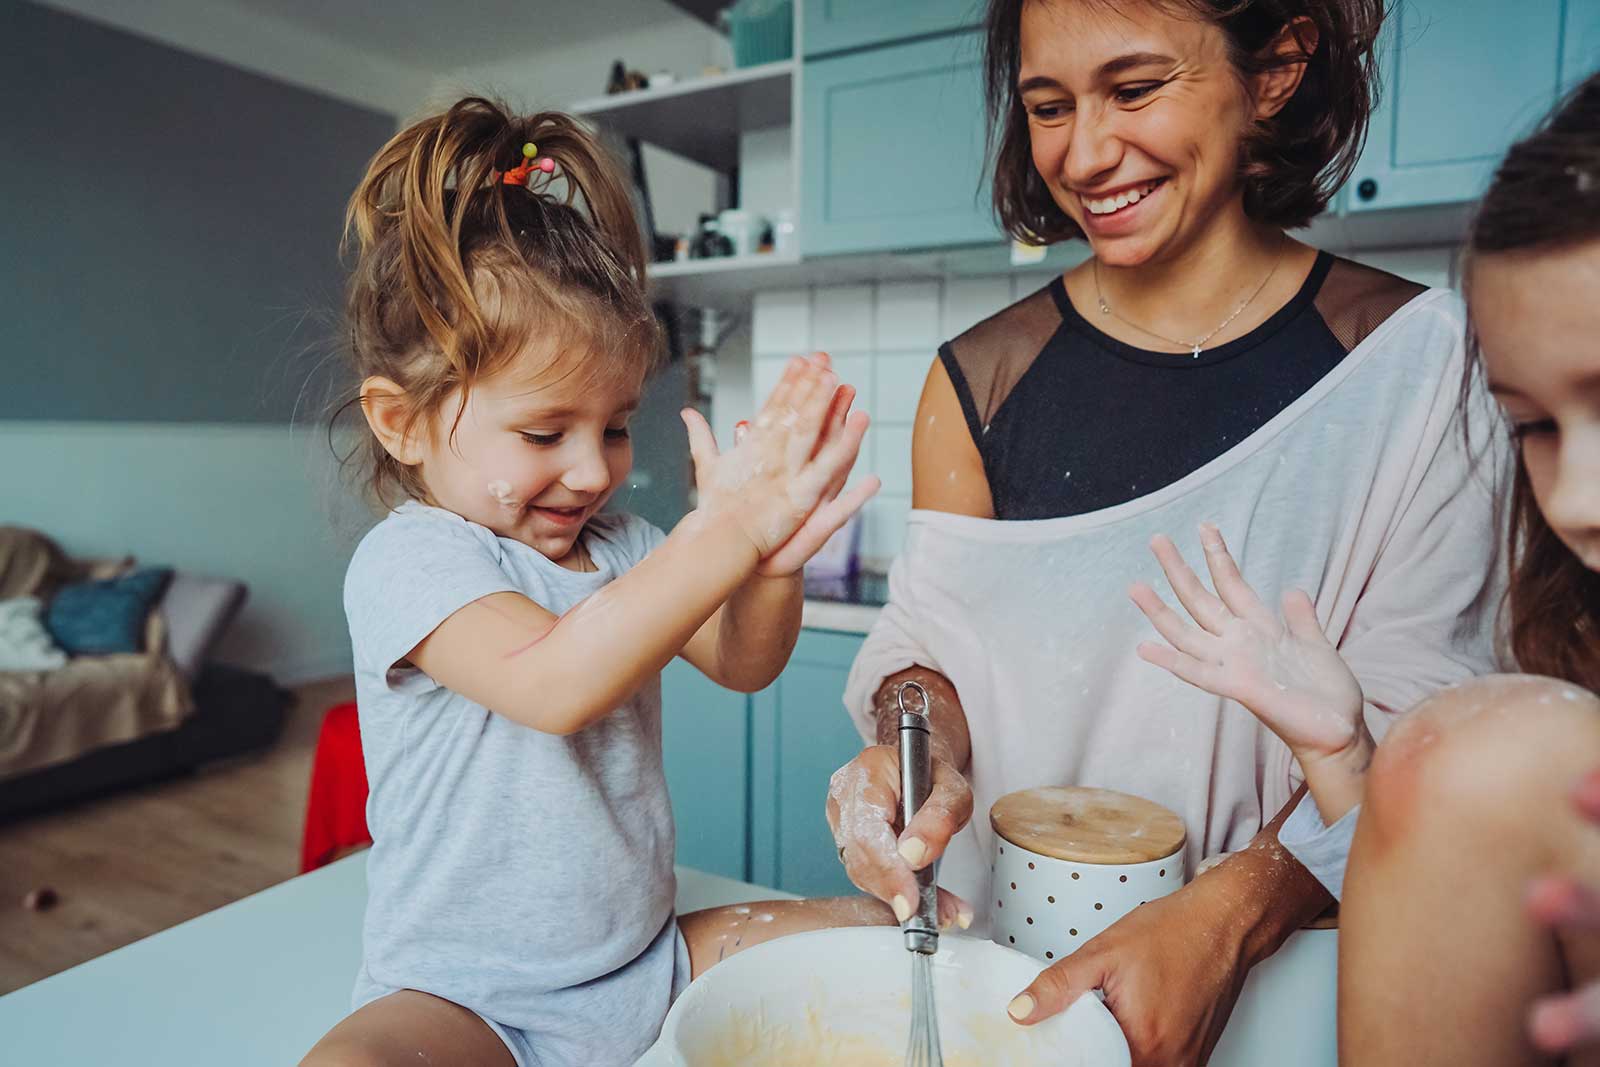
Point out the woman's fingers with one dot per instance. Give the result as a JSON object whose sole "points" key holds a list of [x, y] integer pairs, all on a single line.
{"points": [[1235, 592], [863, 803], [947, 809], [1202, 605], [953, 911], [1059, 986], [1180, 634]]}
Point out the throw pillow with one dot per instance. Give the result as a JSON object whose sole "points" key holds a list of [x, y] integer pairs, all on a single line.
{"points": [[25, 645], [96, 618]]}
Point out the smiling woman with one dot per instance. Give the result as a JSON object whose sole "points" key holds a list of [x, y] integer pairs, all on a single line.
{"points": [[1201, 367]]}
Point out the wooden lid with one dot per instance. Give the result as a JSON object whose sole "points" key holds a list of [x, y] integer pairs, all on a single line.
{"points": [[1088, 825]]}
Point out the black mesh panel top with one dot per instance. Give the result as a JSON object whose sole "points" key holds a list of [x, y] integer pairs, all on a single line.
{"points": [[1069, 420]]}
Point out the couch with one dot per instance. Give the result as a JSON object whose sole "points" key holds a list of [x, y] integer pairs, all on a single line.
{"points": [[110, 720]]}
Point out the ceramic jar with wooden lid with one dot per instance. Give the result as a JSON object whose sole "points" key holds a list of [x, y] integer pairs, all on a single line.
{"points": [[1068, 862]]}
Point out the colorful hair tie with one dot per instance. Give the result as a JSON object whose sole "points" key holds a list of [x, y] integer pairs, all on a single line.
{"points": [[531, 162]]}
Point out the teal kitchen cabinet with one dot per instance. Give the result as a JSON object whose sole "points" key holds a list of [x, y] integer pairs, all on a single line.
{"points": [[801, 735], [892, 145], [1580, 42], [836, 25], [705, 736], [1462, 80]]}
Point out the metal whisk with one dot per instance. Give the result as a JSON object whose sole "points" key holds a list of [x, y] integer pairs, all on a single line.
{"points": [[922, 928]]}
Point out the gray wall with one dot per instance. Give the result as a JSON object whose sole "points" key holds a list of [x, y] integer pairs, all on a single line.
{"points": [[169, 229]]}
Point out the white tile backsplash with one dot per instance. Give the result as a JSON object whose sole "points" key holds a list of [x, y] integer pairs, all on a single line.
{"points": [[897, 382], [891, 459], [782, 323], [841, 319], [968, 301], [884, 337], [884, 528], [908, 315], [1027, 284]]}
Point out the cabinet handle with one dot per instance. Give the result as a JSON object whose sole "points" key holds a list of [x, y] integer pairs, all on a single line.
{"points": [[1367, 189]]}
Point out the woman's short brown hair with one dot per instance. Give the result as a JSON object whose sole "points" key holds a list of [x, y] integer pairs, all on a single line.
{"points": [[1291, 164]]}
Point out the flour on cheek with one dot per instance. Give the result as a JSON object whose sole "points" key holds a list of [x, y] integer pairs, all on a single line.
{"points": [[501, 491]]}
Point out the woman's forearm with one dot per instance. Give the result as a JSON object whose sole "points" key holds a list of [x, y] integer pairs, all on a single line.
{"points": [[951, 739], [1276, 894]]}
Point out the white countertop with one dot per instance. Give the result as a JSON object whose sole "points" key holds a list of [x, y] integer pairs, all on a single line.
{"points": [[833, 615], [255, 983]]}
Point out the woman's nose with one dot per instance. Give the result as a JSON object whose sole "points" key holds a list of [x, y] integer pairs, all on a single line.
{"points": [[1094, 150]]}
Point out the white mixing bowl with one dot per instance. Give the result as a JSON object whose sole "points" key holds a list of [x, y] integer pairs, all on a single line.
{"points": [[842, 998]]}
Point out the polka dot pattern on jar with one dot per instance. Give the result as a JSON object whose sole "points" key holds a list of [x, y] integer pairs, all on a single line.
{"points": [[1049, 907]]}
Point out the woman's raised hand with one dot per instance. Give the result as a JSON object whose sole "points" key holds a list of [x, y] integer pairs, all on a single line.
{"points": [[783, 479], [1285, 671]]}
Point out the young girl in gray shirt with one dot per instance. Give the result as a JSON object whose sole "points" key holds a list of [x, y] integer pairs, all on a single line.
{"points": [[508, 636]]}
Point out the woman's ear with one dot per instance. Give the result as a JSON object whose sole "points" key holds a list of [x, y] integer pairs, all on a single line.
{"points": [[1288, 54], [383, 403]]}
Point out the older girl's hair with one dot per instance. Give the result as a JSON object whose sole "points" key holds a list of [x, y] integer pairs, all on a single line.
{"points": [[457, 270], [1546, 195], [1291, 164]]}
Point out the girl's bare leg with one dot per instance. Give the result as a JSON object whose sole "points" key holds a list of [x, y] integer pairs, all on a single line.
{"points": [[1467, 801], [714, 934], [410, 1028]]}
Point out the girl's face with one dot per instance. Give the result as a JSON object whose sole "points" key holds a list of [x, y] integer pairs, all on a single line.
{"points": [[535, 455], [1135, 115], [1538, 324]]}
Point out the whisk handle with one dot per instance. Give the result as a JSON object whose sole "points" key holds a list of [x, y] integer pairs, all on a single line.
{"points": [[916, 781]]}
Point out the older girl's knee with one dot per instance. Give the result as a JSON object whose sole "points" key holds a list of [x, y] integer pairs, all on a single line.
{"points": [[1473, 751]]}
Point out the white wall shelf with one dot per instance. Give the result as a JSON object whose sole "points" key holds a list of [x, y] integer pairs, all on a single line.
{"points": [[701, 119]]}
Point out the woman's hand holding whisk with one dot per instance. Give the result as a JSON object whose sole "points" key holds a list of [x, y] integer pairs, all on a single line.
{"points": [[863, 810]]}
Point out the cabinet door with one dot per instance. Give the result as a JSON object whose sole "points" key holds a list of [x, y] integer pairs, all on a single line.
{"points": [[892, 148], [1580, 42], [802, 736], [705, 734], [1462, 80], [834, 25]]}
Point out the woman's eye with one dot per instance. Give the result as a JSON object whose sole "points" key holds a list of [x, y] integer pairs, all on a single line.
{"points": [[1532, 428], [1129, 93], [1049, 112], [541, 438], [617, 433]]}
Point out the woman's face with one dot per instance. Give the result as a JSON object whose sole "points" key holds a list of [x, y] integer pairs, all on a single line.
{"points": [[1538, 322], [1135, 115]]}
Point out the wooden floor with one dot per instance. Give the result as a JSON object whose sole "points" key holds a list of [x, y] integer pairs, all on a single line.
{"points": [[137, 862]]}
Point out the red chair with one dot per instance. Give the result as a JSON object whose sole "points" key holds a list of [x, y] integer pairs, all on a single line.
{"points": [[336, 814]]}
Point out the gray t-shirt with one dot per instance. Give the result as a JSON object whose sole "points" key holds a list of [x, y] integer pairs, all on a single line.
{"points": [[520, 874]]}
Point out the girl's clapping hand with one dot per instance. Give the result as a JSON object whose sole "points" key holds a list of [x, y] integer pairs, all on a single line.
{"points": [[783, 480]]}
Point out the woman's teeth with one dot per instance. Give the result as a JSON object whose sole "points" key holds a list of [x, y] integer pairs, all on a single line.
{"points": [[1120, 201]]}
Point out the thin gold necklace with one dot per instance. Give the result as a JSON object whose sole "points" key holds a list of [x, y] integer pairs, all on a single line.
{"points": [[1198, 344]]}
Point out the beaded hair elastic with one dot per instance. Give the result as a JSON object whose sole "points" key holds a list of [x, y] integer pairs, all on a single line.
{"points": [[531, 162]]}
